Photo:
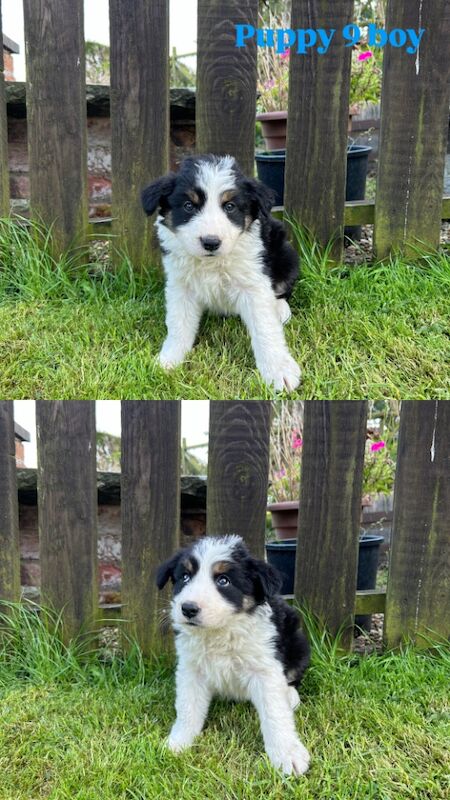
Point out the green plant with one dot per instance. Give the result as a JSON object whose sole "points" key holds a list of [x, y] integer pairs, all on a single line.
{"points": [[273, 67], [366, 76], [381, 447], [285, 451]]}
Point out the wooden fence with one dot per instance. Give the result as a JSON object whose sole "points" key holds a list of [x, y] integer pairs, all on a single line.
{"points": [[417, 600], [414, 124]]}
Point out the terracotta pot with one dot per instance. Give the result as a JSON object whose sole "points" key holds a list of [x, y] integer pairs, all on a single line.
{"points": [[274, 126], [284, 519]]}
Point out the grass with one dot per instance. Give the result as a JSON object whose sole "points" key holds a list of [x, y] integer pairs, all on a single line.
{"points": [[377, 727], [69, 331]]}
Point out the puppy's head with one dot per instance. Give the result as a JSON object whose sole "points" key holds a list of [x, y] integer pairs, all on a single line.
{"points": [[208, 204], [215, 579]]}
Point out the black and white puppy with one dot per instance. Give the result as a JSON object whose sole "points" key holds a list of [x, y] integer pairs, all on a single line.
{"points": [[235, 638], [223, 252]]}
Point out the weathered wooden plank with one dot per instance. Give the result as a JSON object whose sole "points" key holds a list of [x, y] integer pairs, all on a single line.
{"points": [[359, 212], [4, 168], [316, 154], [238, 468], [418, 592], [67, 501], [56, 112], [226, 81], [370, 601], [330, 510], [139, 118], [414, 128], [150, 506], [9, 508]]}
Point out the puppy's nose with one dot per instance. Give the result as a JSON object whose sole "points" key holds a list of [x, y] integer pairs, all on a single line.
{"points": [[190, 610], [210, 243]]}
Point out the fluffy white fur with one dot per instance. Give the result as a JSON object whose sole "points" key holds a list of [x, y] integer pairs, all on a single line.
{"points": [[231, 655], [231, 281]]}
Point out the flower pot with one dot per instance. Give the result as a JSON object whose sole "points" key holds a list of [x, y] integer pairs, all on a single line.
{"points": [[281, 555], [284, 519], [274, 126], [369, 551], [355, 187], [271, 166]]}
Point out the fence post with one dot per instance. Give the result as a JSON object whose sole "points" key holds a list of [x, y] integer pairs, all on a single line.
{"points": [[9, 509], [67, 503], [334, 434], [140, 129], [238, 468], [226, 81], [316, 155], [418, 591], [414, 128], [150, 501], [56, 112], [4, 163]]}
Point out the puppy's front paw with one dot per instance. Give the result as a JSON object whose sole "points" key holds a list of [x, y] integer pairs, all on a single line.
{"points": [[292, 760], [179, 739], [170, 356], [283, 375]]}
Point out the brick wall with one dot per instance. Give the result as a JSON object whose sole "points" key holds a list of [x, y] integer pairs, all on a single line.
{"points": [[8, 63], [19, 454]]}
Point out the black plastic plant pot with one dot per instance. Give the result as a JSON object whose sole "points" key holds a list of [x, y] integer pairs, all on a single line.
{"points": [[270, 168], [271, 165], [281, 555], [369, 551], [355, 188]]}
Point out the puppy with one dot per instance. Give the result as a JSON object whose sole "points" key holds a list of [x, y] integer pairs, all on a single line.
{"points": [[223, 252], [235, 638]]}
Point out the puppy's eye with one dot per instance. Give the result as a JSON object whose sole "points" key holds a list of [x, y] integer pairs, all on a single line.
{"points": [[222, 580], [188, 206], [185, 577], [229, 207]]}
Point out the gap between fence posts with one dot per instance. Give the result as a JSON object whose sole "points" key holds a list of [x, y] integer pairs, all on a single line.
{"points": [[150, 509], [334, 434], [226, 81], [9, 508], [316, 153], [414, 130], [140, 131], [67, 502], [56, 114], [418, 590], [238, 470]]}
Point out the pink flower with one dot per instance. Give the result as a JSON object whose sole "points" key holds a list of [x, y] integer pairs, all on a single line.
{"points": [[377, 446], [286, 54], [364, 56], [269, 84], [280, 474], [297, 441]]}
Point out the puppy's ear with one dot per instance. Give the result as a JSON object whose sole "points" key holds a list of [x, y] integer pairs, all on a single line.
{"points": [[157, 193], [166, 570], [260, 197], [267, 581]]}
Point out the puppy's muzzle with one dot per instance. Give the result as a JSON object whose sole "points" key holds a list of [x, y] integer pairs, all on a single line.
{"points": [[210, 243], [190, 610]]}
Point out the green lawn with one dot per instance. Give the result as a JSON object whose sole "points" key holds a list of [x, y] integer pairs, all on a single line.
{"points": [[367, 331], [377, 727]]}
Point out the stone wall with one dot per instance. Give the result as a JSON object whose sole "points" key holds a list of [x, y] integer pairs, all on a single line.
{"points": [[182, 141]]}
